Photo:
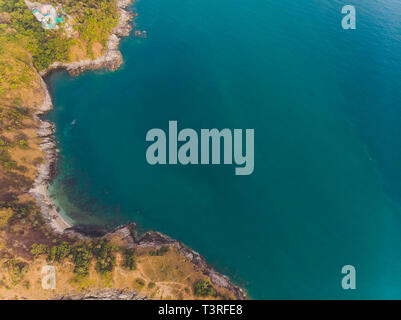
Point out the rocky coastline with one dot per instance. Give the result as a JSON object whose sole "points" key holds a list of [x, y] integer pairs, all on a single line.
{"points": [[111, 60], [154, 239], [106, 294]]}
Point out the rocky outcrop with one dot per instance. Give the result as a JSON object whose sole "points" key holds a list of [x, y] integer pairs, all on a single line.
{"points": [[107, 294], [125, 17], [112, 58], [39, 192]]}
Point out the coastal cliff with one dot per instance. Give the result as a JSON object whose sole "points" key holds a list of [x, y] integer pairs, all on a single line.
{"points": [[115, 265]]}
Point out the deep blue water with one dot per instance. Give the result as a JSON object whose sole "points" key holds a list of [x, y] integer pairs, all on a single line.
{"points": [[325, 106]]}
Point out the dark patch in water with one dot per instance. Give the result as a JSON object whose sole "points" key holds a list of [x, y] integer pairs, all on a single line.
{"points": [[90, 230]]}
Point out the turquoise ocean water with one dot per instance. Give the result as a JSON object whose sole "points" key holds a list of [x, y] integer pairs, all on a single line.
{"points": [[325, 106]]}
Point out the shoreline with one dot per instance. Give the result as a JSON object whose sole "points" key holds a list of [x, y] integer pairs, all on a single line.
{"points": [[111, 60], [39, 191]]}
